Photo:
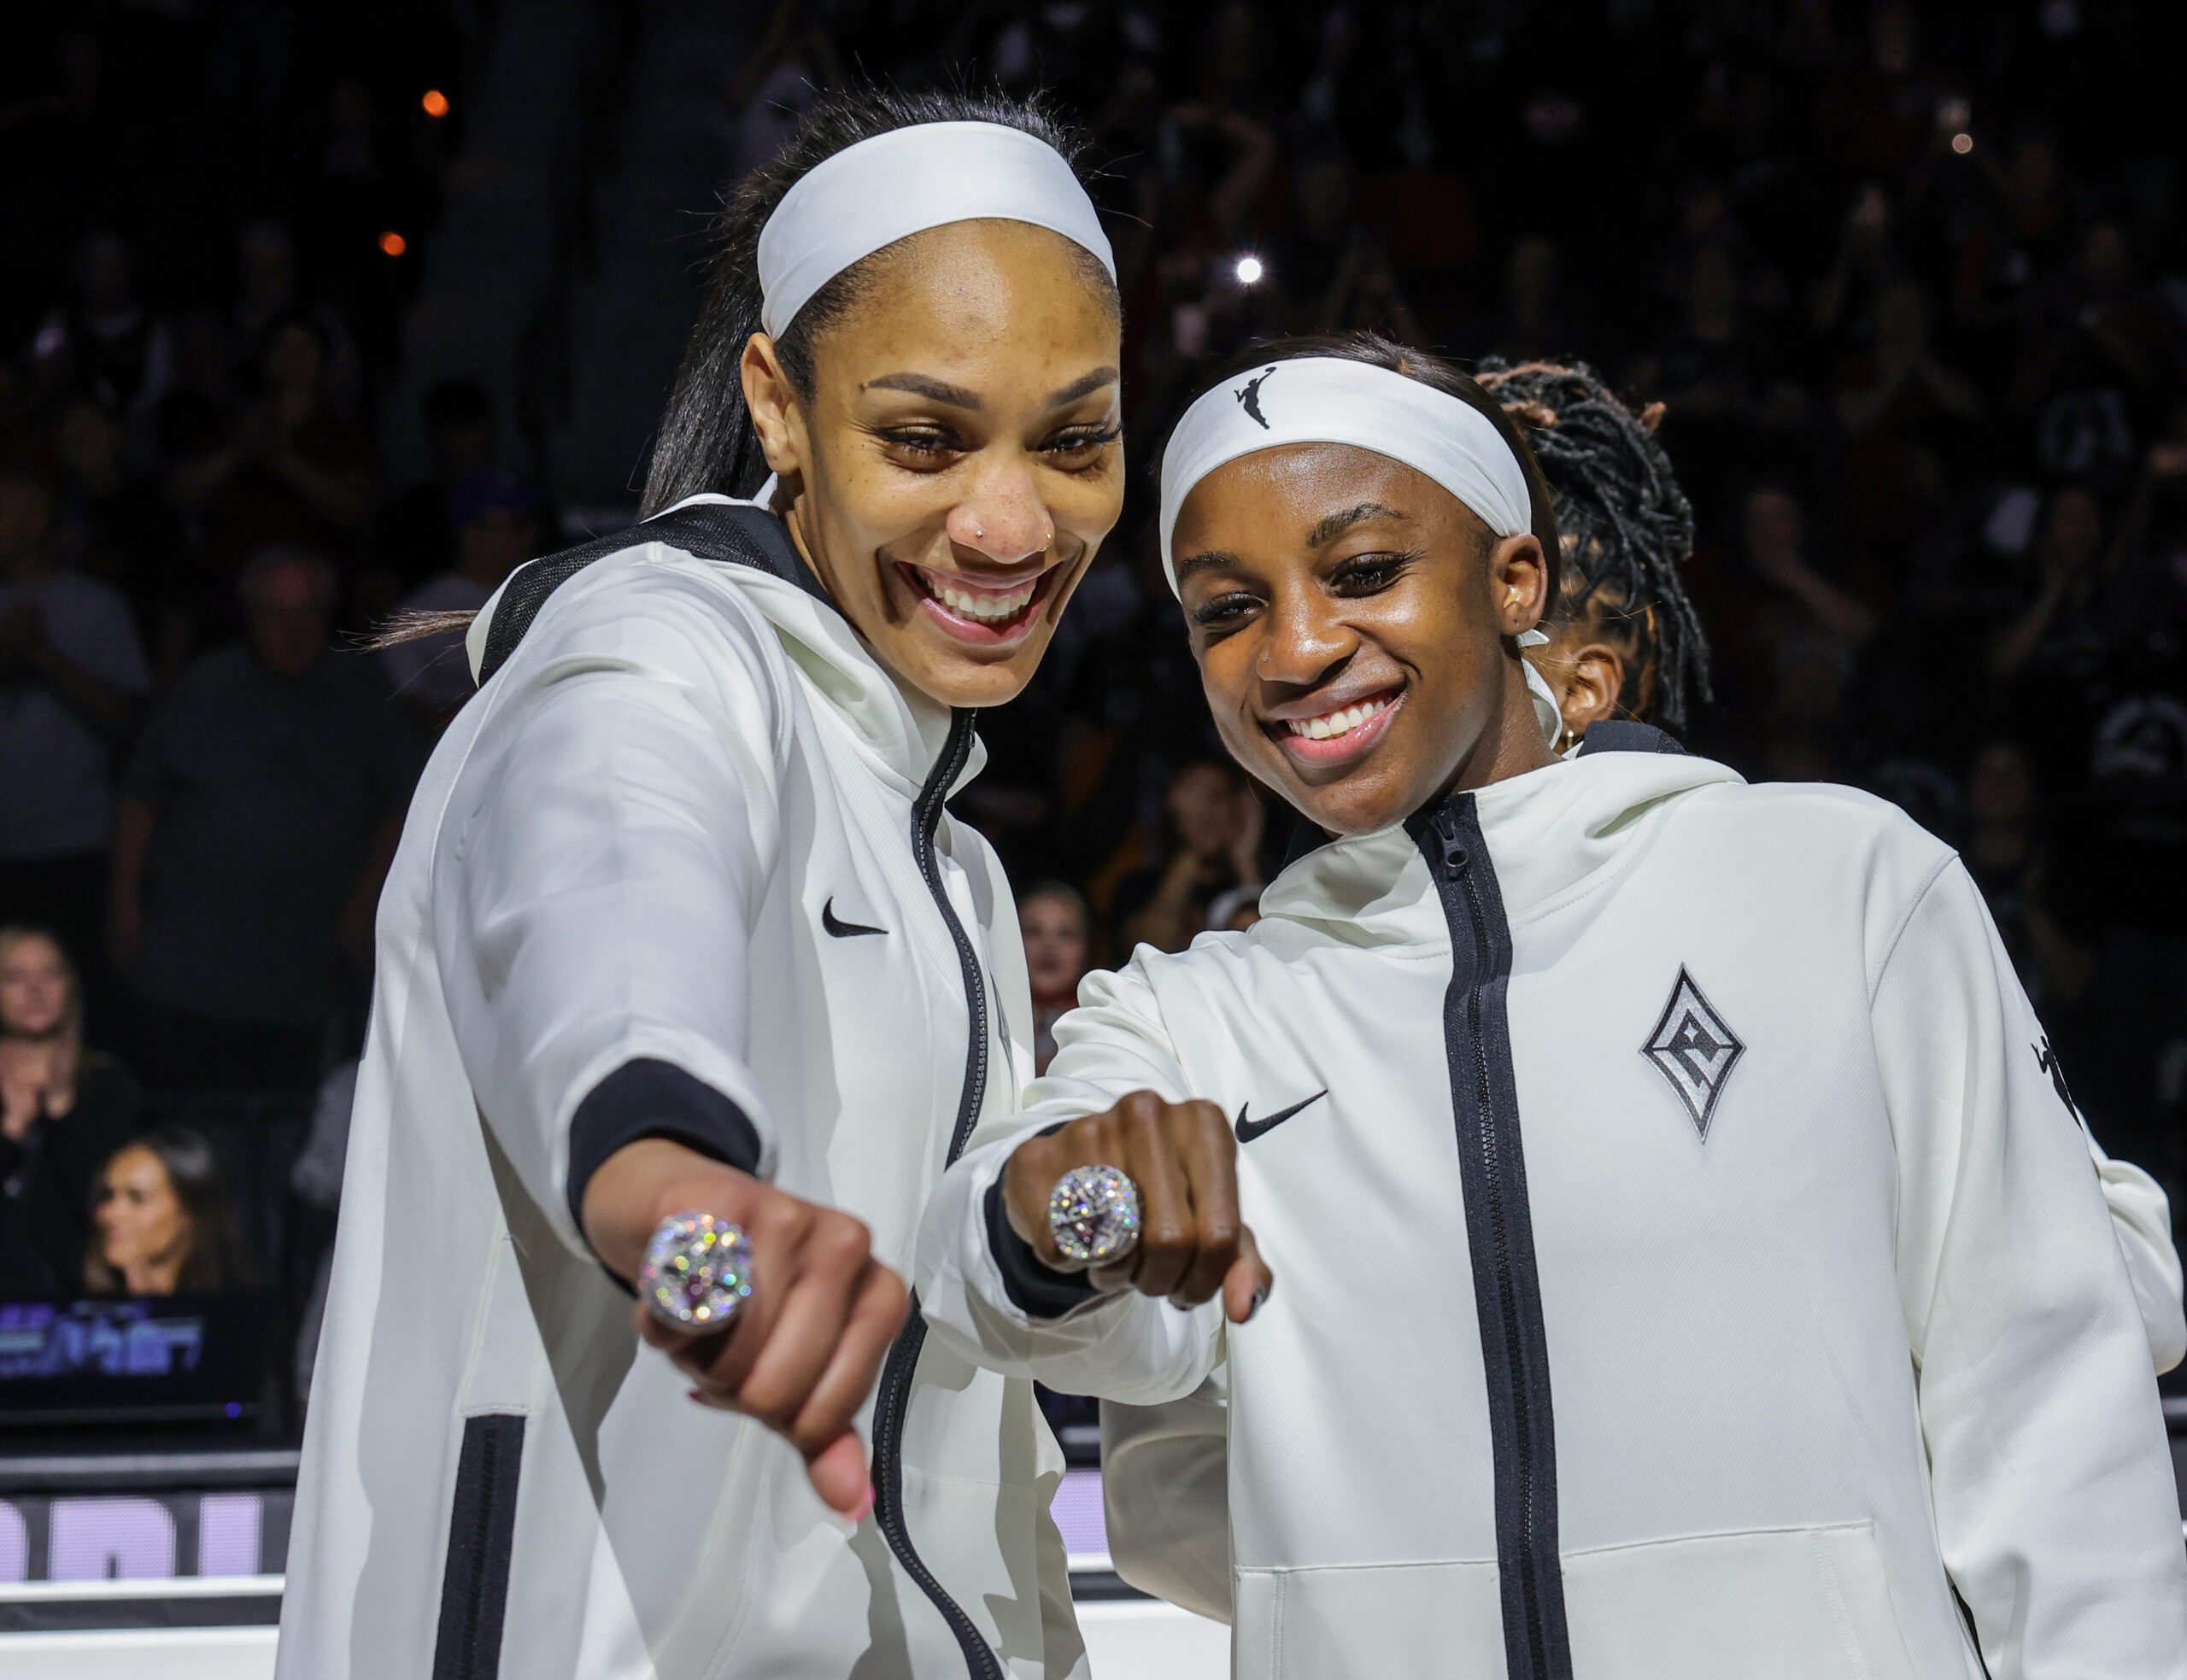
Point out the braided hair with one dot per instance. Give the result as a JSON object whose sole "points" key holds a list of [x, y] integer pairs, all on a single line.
{"points": [[1626, 526]]}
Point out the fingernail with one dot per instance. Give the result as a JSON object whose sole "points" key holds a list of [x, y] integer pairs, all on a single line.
{"points": [[1260, 1296], [864, 1505]]}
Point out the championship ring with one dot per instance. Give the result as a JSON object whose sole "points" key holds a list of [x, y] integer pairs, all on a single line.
{"points": [[697, 1273], [1094, 1212]]}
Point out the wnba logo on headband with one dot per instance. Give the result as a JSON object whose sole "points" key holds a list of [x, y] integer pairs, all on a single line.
{"points": [[1333, 400], [1249, 397]]}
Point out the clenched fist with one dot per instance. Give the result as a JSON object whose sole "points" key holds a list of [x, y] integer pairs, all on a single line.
{"points": [[1184, 1162], [806, 1349]]}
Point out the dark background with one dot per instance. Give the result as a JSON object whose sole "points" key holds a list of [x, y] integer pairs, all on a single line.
{"points": [[1911, 283]]}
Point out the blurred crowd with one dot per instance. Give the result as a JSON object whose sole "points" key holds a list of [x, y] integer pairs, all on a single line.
{"points": [[1910, 283]]}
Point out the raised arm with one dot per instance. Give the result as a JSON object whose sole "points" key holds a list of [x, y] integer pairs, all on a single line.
{"points": [[596, 914], [2053, 1487], [993, 1282]]}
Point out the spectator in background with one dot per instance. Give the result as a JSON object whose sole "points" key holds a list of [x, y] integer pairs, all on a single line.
{"points": [[63, 1111], [104, 340], [289, 470], [116, 526], [2005, 853], [413, 539], [1057, 931], [71, 673], [165, 1226], [2058, 625], [257, 820], [497, 530], [1214, 824]]}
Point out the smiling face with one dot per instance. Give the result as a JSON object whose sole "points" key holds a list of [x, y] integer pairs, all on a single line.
{"points": [[1353, 619], [958, 459]]}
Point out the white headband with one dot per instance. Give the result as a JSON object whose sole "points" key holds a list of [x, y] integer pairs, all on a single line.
{"points": [[904, 182], [1330, 400]]}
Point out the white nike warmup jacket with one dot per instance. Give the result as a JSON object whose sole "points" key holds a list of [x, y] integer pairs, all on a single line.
{"points": [[681, 867], [1689, 1263]]}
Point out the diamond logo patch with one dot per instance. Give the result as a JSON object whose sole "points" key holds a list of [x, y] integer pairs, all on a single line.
{"points": [[1693, 1048]]}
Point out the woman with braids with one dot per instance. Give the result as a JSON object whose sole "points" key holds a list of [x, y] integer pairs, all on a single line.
{"points": [[1637, 1215], [689, 986], [1624, 641]]}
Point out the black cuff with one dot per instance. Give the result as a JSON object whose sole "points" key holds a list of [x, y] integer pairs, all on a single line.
{"points": [[650, 1098], [1037, 1290]]}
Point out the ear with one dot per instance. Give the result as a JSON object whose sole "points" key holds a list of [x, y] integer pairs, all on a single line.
{"points": [[772, 401], [1593, 679], [1518, 583]]}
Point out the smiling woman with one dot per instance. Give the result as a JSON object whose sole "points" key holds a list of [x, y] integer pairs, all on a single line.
{"points": [[687, 979], [1652, 1198], [1358, 617], [940, 420]]}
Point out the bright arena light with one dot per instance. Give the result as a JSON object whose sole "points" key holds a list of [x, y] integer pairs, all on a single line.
{"points": [[1249, 270]]}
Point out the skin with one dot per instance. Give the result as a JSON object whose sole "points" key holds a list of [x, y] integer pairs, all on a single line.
{"points": [[37, 1000], [143, 1232], [1585, 673], [33, 987], [962, 432], [1315, 577], [1055, 947]]}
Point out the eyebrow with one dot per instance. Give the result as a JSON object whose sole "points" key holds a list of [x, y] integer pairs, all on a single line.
{"points": [[1085, 385], [937, 390], [1211, 559], [957, 396], [1336, 525]]}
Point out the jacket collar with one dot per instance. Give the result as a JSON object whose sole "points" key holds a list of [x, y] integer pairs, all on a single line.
{"points": [[900, 731], [1553, 832]]}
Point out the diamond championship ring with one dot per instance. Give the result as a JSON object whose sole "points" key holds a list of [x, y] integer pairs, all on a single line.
{"points": [[1094, 1212], [697, 1273]]}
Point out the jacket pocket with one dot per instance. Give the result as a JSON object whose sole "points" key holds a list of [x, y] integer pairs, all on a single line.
{"points": [[1391, 1621], [481, 1532], [1794, 1604]]}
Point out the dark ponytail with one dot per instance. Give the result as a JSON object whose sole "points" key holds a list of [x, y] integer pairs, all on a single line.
{"points": [[1627, 527], [1436, 374], [706, 441]]}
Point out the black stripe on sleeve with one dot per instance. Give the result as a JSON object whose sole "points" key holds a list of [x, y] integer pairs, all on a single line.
{"points": [[651, 1098], [1037, 1290]]}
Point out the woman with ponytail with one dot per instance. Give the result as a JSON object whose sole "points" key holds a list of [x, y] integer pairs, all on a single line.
{"points": [[689, 986]]}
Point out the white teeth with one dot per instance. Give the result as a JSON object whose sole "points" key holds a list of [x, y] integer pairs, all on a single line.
{"points": [[1338, 723], [988, 609]]}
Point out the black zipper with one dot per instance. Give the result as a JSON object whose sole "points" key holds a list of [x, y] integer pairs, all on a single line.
{"points": [[1499, 1239], [896, 1374]]}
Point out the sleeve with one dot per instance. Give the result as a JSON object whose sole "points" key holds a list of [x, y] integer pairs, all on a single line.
{"points": [[594, 913], [1118, 1346], [2141, 1219], [1165, 1489], [2049, 1470]]}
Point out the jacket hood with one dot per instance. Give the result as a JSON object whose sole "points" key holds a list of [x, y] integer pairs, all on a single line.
{"points": [[1550, 831], [902, 730]]}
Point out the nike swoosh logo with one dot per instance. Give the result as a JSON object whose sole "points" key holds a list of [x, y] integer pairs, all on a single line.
{"points": [[1250, 1129], [843, 930]]}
